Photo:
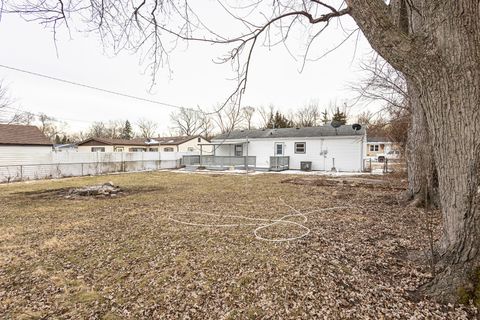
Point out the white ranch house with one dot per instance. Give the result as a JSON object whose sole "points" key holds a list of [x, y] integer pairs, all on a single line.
{"points": [[159, 144], [22, 140], [313, 148]]}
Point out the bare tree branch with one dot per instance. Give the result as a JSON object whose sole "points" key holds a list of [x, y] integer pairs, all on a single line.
{"points": [[154, 27], [147, 128], [188, 122]]}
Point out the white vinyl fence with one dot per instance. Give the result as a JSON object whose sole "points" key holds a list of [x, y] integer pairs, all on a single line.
{"points": [[19, 167]]}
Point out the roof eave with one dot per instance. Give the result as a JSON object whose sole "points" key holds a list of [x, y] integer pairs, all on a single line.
{"points": [[26, 144]]}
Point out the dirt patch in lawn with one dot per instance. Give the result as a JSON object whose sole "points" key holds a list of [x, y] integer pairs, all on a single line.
{"points": [[87, 192], [350, 182]]}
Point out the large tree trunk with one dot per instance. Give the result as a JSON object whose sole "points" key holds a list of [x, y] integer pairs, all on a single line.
{"points": [[451, 106], [422, 174], [441, 57]]}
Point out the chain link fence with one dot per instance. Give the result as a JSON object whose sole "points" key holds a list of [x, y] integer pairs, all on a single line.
{"points": [[92, 164]]}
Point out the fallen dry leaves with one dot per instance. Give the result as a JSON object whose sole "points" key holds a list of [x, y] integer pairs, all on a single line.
{"points": [[116, 258]]}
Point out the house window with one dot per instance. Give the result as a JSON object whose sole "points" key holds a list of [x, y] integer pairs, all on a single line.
{"points": [[279, 149], [300, 147], [190, 149], [118, 149], [238, 150], [137, 149], [98, 149], [168, 149], [153, 150], [374, 147], [199, 140]]}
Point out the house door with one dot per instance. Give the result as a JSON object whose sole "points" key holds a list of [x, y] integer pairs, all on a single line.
{"points": [[279, 148]]}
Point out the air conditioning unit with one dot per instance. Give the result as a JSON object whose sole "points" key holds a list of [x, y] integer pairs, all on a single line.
{"points": [[306, 165]]}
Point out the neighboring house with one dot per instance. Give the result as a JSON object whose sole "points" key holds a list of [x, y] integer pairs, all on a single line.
{"points": [[117, 145], [184, 144], [381, 147], [161, 144], [69, 147], [21, 139], [325, 147]]}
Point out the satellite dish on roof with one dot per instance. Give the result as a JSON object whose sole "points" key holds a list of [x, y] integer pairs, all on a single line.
{"points": [[335, 124], [356, 126]]}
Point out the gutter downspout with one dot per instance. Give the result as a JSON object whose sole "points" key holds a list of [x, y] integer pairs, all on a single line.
{"points": [[364, 139], [246, 158]]}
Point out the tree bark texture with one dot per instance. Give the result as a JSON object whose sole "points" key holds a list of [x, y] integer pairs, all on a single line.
{"points": [[440, 56], [422, 173]]}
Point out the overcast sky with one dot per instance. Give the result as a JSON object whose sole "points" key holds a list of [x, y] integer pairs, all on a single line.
{"points": [[195, 80]]}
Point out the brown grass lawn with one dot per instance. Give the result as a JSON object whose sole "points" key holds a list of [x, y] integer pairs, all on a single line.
{"points": [[116, 258]]}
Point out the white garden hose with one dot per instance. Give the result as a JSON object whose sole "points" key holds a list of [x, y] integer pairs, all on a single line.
{"points": [[260, 222]]}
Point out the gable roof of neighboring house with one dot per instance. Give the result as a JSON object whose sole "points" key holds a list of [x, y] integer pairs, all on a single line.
{"points": [[115, 142], [13, 134], [176, 140], [378, 139], [321, 131], [140, 141]]}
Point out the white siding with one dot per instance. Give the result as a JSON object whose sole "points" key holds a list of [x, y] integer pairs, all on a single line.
{"points": [[184, 147], [109, 148], [24, 154], [348, 152], [89, 148], [193, 144]]}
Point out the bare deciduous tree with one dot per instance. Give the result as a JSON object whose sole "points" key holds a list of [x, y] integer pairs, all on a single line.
{"points": [[22, 117], [78, 137], [147, 128], [385, 84], [114, 129], [207, 125], [382, 83], [308, 116], [366, 117], [9, 114], [50, 126], [97, 130], [266, 115], [247, 114], [4, 99], [392, 124], [187, 122], [435, 45], [228, 118]]}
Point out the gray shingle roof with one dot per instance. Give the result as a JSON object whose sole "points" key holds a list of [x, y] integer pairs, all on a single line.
{"points": [[13, 134], [322, 131]]}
